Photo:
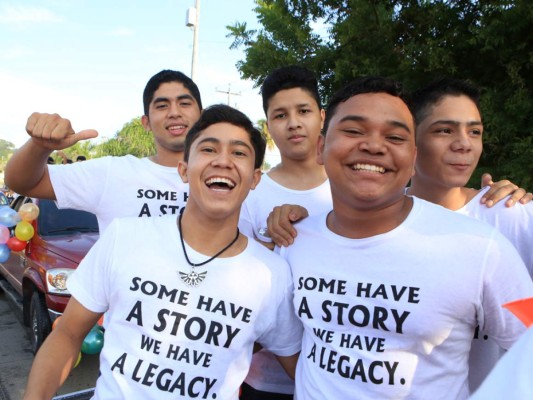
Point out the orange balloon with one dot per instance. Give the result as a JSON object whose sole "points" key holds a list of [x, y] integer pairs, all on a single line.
{"points": [[28, 212], [522, 309], [55, 322]]}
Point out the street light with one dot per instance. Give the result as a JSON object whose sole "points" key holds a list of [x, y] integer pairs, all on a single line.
{"points": [[193, 20]]}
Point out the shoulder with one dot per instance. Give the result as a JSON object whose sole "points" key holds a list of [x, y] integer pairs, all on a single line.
{"points": [[441, 219]]}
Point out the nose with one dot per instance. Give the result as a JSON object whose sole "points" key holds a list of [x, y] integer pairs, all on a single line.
{"points": [[174, 110], [462, 141], [294, 121], [373, 144], [222, 160]]}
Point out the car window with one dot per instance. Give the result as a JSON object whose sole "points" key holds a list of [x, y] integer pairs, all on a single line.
{"points": [[54, 221], [3, 199]]}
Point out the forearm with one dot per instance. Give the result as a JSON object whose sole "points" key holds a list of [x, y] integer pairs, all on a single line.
{"points": [[26, 172], [52, 365]]}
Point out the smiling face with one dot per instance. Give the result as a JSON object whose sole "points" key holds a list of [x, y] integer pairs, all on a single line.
{"points": [[294, 121], [172, 112], [369, 151], [449, 142], [220, 170]]}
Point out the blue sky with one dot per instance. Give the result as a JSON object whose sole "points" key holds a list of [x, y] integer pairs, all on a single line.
{"points": [[88, 60]]}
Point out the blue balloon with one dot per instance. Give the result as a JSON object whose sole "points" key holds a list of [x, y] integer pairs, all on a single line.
{"points": [[9, 217], [4, 253], [93, 342]]}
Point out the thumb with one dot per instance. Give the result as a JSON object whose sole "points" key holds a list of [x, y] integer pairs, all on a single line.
{"points": [[486, 180], [82, 135]]}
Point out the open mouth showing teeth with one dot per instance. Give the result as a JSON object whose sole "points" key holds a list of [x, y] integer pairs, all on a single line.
{"points": [[369, 168], [220, 183]]}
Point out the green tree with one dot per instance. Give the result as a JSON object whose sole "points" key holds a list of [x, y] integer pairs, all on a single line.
{"points": [[488, 42], [6, 149], [131, 139]]}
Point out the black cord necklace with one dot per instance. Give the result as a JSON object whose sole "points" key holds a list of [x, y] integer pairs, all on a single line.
{"points": [[193, 278]]}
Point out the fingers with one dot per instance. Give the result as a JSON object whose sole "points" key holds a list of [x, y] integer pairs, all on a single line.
{"points": [[500, 190], [280, 221], [48, 126], [53, 132], [519, 195], [527, 198]]}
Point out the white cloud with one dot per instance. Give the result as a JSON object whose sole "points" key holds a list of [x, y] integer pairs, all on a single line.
{"points": [[121, 31], [12, 14], [15, 53], [88, 109]]}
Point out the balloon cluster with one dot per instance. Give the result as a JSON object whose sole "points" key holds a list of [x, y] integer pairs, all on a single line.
{"points": [[23, 231]]}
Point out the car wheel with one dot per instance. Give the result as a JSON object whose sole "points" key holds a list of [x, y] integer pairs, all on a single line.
{"points": [[40, 324]]}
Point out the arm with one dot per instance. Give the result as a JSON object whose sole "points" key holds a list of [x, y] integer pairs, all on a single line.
{"points": [[280, 223], [289, 364], [59, 352], [501, 190], [27, 171]]}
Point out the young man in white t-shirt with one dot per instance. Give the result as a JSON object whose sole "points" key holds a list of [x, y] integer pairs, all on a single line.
{"points": [[449, 137], [388, 286], [113, 187], [186, 299], [294, 119]]}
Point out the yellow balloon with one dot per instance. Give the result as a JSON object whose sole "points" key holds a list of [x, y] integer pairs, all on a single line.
{"points": [[24, 231], [28, 212], [78, 360]]}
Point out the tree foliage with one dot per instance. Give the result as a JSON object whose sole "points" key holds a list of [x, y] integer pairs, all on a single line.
{"points": [[488, 42], [131, 139]]}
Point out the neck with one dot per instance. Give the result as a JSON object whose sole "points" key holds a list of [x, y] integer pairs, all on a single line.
{"points": [[209, 235], [452, 198], [298, 175], [167, 158], [364, 223]]}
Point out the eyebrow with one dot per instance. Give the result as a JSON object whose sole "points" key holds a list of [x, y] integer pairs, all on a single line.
{"points": [[301, 105], [180, 97], [358, 118], [213, 140], [454, 122]]}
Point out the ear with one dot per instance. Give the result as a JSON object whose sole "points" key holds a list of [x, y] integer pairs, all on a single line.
{"points": [[322, 118], [320, 149], [256, 178], [146, 123], [182, 171]]}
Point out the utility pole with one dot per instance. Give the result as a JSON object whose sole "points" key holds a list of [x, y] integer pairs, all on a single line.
{"points": [[193, 20], [229, 93]]}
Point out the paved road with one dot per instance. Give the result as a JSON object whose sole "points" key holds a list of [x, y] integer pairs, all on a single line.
{"points": [[16, 356]]}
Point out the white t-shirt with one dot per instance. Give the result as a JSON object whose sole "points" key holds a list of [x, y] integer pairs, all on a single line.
{"points": [[269, 194], [512, 376], [392, 316], [165, 340], [112, 187], [516, 224], [266, 374]]}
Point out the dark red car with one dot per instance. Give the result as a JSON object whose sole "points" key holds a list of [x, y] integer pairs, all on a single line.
{"points": [[38, 274]]}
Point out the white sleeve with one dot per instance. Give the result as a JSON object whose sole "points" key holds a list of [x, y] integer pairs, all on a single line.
{"points": [[80, 185], [284, 335], [90, 283], [506, 279]]}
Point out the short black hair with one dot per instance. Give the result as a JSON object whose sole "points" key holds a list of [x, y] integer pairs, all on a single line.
{"points": [[81, 158], [427, 97], [166, 76], [368, 84], [289, 77], [220, 113]]}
